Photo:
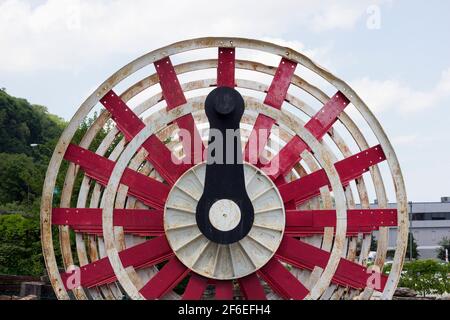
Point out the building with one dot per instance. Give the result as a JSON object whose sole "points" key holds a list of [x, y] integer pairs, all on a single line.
{"points": [[430, 223]]}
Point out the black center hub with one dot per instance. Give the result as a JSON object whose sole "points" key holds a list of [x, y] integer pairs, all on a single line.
{"points": [[224, 179]]}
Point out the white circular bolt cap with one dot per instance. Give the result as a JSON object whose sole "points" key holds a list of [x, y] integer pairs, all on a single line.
{"points": [[224, 215]]}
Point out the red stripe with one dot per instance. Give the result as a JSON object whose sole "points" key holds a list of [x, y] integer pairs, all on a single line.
{"points": [[286, 159], [274, 98], [327, 116], [318, 125], [165, 280], [258, 138], [89, 220], [170, 86], [224, 290], [127, 121], [305, 256], [193, 148], [195, 287], [130, 125], [146, 189], [280, 83], [348, 169], [226, 68], [282, 281], [251, 288], [174, 96], [142, 255], [309, 222]]}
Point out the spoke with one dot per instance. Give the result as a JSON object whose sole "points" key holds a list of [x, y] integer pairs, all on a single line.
{"points": [[280, 84], [174, 97], [195, 287], [251, 288], [258, 138], [224, 289], [89, 220], [130, 125], [286, 159], [142, 255], [225, 68], [349, 169], [146, 189], [327, 116], [282, 281], [165, 280], [306, 256], [318, 126], [275, 97], [300, 223]]}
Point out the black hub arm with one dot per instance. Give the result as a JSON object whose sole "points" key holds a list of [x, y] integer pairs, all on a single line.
{"points": [[224, 177]]}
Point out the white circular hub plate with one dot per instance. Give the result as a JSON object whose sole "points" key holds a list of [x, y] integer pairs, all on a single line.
{"points": [[215, 260], [225, 215]]}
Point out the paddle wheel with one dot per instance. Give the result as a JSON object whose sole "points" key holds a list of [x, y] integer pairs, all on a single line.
{"points": [[148, 213]]}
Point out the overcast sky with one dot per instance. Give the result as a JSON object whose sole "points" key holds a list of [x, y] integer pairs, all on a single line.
{"points": [[394, 53]]}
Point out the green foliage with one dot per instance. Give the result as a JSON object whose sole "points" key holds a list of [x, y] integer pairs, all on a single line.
{"points": [[20, 178], [412, 243], [22, 172], [23, 124], [20, 247], [445, 244], [373, 244], [425, 276]]}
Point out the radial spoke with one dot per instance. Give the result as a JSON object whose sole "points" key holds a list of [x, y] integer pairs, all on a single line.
{"points": [[275, 97], [174, 97], [224, 289], [319, 125], [165, 280], [348, 169], [280, 83], [258, 138], [282, 281], [130, 125], [251, 288], [142, 255], [286, 159], [225, 68], [306, 256], [89, 220], [195, 287], [309, 222], [146, 189]]}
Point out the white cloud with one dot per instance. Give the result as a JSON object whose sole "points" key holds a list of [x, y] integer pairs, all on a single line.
{"points": [[407, 140], [337, 17], [70, 34], [394, 95]]}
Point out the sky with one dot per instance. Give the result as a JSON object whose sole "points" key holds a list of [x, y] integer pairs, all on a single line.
{"points": [[394, 53]]}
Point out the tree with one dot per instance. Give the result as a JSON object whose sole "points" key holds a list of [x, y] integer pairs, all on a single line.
{"points": [[415, 253], [28, 135], [20, 178], [23, 124], [20, 247], [373, 244], [426, 276], [445, 245]]}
